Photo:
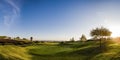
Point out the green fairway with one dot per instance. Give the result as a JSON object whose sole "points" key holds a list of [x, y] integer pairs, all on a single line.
{"points": [[72, 51]]}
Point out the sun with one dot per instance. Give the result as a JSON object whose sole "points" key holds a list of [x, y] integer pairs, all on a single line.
{"points": [[113, 26], [115, 30]]}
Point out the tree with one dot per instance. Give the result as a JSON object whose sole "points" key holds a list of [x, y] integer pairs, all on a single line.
{"points": [[24, 38], [9, 38], [83, 38], [17, 38], [100, 33], [31, 38], [72, 39]]}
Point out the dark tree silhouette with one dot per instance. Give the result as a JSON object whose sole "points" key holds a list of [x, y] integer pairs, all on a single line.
{"points": [[72, 39], [83, 38], [31, 38], [9, 38], [17, 38], [100, 33], [24, 38]]}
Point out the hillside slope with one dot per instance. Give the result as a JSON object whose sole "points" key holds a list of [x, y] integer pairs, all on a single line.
{"points": [[72, 51], [10, 52], [76, 51]]}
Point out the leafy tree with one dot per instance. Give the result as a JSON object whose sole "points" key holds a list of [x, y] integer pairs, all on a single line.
{"points": [[24, 38], [72, 39], [83, 38], [9, 38], [17, 38], [31, 38], [100, 34]]}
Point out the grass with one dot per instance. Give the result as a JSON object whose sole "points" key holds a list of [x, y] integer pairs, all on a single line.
{"points": [[70, 51], [10, 52]]}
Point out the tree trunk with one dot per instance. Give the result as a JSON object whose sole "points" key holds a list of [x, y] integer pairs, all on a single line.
{"points": [[100, 43]]}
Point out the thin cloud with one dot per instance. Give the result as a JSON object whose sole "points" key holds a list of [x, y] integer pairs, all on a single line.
{"points": [[12, 13], [12, 3]]}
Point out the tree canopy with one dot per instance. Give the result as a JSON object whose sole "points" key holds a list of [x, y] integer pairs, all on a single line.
{"points": [[100, 32], [72, 39], [83, 38]]}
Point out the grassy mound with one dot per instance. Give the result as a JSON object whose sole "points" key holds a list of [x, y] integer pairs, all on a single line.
{"points": [[8, 52], [70, 51], [76, 51]]}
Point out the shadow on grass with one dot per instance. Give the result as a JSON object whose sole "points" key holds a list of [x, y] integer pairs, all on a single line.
{"points": [[80, 54], [88, 53], [79, 44], [2, 57]]}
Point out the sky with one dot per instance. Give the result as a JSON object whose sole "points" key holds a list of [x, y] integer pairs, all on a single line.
{"points": [[58, 19]]}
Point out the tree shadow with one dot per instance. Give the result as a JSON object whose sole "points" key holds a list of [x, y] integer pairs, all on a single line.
{"points": [[84, 50], [87, 52]]}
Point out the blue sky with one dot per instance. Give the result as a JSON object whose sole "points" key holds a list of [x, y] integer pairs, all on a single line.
{"points": [[57, 19]]}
